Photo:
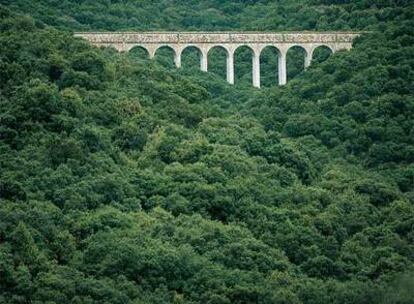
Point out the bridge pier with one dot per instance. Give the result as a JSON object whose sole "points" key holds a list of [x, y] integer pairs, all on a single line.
{"points": [[282, 68], [177, 59], [230, 67], [308, 58], [204, 61], [256, 69]]}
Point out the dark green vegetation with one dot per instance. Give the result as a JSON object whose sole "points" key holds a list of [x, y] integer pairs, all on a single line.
{"points": [[125, 182]]}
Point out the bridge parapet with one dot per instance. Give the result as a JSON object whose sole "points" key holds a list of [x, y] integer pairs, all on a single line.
{"points": [[216, 37]]}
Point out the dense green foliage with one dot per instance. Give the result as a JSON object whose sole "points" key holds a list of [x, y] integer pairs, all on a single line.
{"points": [[212, 14], [122, 181]]}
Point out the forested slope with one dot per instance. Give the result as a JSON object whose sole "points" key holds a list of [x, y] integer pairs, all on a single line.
{"points": [[122, 181]]}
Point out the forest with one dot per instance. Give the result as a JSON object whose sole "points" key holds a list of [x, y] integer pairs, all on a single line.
{"points": [[125, 180]]}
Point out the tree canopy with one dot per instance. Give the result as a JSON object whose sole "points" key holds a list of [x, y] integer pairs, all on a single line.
{"points": [[123, 180]]}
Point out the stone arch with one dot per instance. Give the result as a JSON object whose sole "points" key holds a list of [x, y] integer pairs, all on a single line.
{"points": [[164, 46], [139, 52], [218, 58], [219, 46], [168, 55], [237, 47], [269, 65], [192, 59], [270, 46], [244, 57], [297, 59], [300, 46], [321, 53]]}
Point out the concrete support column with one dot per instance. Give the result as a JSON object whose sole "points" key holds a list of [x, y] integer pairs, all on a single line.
{"points": [[151, 49], [230, 67], [204, 61], [177, 58], [308, 57], [282, 68], [256, 69]]}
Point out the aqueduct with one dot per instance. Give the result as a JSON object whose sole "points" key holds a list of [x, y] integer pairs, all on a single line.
{"points": [[229, 41]]}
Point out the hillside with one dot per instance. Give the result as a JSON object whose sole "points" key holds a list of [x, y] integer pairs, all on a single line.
{"points": [[123, 180]]}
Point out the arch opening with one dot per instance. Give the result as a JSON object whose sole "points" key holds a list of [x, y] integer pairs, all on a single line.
{"points": [[269, 66], [165, 55], [321, 53], [243, 65], [295, 61], [139, 52], [217, 58], [191, 57]]}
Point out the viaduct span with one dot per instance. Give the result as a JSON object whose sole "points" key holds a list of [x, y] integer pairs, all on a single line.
{"points": [[229, 41]]}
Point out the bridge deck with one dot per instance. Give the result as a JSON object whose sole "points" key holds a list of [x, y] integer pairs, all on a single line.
{"points": [[217, 37]]}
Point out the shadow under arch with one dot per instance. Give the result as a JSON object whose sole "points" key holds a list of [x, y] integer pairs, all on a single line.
{"points": [[191, 57], [217, 60], [269, 66], [321, 53], [165, 55], [296, 57], [139, 52], [243, 64]]}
